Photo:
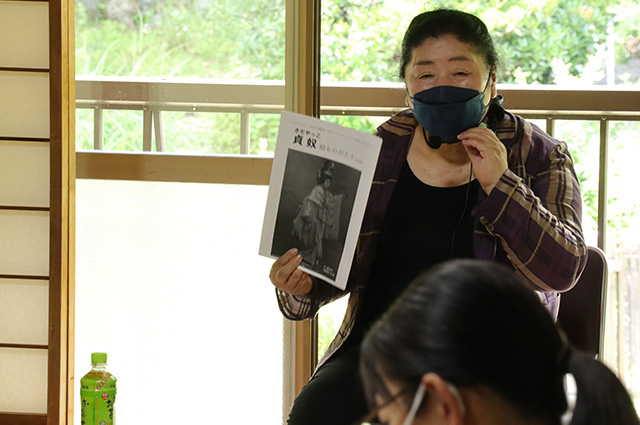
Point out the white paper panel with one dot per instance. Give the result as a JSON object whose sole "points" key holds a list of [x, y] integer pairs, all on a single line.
{"points": [[24, 311], [24, 110], [24, 243], [166, 275], [24, 173], [24, 31], [23, 380]]}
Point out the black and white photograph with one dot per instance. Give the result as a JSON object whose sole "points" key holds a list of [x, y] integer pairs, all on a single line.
{"points": [[314, 211]]}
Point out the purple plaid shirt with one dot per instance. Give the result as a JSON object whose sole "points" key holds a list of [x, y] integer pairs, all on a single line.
{"points": [[531, 219]]}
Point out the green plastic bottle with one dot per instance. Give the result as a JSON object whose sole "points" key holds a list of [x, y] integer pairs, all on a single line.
{"points": [[98, 393]]}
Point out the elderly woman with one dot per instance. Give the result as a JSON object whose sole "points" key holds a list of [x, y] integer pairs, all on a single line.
{"points": [[457, 177]]}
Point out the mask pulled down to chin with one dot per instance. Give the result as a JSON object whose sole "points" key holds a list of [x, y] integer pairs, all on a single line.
{"points": [[446, 111]]}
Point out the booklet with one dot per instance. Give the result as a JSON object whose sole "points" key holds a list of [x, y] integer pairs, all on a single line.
{"points": [[320, 182]]}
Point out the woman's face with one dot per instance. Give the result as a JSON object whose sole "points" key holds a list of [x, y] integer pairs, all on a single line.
{"points": [[447, 61]]}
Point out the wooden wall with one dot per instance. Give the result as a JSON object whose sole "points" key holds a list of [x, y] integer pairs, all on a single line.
{"points": [[36, 211]]}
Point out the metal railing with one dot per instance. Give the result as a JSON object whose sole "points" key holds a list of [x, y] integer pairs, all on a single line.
{"points": [[152, 96]]}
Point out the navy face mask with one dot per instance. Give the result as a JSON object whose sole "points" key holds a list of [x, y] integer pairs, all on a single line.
{"points": [[446, 111]]}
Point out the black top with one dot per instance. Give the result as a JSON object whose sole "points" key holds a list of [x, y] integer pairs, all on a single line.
{"points": [[423, 226]]}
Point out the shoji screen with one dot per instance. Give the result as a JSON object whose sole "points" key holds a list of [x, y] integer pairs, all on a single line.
{"points": [[35, 211]]}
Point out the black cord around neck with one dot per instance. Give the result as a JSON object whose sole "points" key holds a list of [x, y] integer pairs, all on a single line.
{"points": [[464, 210]]}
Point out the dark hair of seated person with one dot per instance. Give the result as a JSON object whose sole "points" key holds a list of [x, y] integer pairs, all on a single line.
{"points": [[476, 324]]}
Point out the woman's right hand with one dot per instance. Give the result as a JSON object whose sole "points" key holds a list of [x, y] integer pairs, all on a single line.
{"points": [[286, 276]]}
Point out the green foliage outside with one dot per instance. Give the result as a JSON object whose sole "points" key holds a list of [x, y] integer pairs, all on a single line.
{"points": [[183, 39], [542, 42]]}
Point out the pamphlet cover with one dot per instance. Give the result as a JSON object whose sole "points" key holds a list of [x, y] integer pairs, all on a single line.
{"points": [[320, 182]]}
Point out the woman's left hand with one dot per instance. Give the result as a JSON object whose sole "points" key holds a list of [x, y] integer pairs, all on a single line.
{"points": [[488, 155]]}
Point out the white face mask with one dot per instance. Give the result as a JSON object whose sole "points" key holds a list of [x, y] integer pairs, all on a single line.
{"points": [[419, 397]]}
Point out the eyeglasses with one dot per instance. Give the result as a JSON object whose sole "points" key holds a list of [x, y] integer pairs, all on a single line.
{"points": [[415, 405], [371, 418]]}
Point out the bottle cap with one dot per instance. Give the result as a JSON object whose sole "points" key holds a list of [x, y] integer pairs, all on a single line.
{"points": [[99, 358]]}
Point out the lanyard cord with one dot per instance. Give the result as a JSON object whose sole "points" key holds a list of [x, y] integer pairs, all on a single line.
{"points": [[464, 210]]}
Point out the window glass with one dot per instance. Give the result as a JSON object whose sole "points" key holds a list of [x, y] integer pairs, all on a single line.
{"points": [[539, 42], [181, 60], [238, 39], [623, 252], [329, 321], [200, 75], [583, 139]]}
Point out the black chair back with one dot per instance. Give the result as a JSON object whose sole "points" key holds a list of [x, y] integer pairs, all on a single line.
{"points": [[581, 312]]}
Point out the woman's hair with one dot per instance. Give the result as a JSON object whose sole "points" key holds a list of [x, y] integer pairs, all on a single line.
{"points": [[466, 27], [321, 178], [477, 323], [325, 172]]}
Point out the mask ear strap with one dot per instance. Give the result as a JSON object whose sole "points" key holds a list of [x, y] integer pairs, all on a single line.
{"points": [[485, 89], [417, 401]]}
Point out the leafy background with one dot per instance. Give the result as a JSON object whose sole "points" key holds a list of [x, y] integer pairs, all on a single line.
{"points": [[540, 42]]}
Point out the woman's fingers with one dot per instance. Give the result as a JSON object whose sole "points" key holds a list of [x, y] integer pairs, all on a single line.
{"points": [[282, 262], [286, 276], [488, 155]]}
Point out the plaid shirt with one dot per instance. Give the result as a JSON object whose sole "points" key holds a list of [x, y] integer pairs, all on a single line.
{"points": [[531, 219]]}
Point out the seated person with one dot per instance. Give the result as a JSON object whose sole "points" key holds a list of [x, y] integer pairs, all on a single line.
{"points": [[470, 343], [498, 189]]}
